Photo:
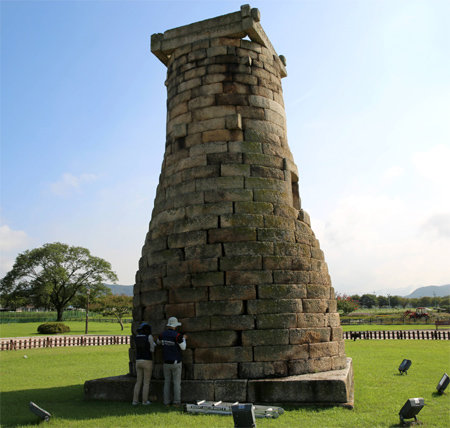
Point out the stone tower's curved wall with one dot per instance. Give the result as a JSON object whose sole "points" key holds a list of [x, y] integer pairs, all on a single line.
{"points": [[229, 250]]}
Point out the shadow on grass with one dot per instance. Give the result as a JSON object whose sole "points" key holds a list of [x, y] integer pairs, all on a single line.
{"points": [[67, 403]]}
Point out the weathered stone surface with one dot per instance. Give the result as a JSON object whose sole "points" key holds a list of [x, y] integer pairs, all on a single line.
{"points": [[230, 390], [206, 279], [253, 208], [203, 251], [195, 324], [180, 310], [319, 350], [300, 336], [306, 320], [232, 292], [281, 291], [233, 234], [230, 250], [215, 371], [265, 337], [209, 339], [248, 277], [242, 220], [223, 355], [234, 322], [318, 291], [228, 195], [270, 385], [315, 305], [234, 307], [291, 277], [325, 387], [336, 334], [181, 295], [181, 240], [266, 306], [271, 321], [240, 263], [248, 248], [314, 365], [333, 320], [261, 370], [280, 352]]}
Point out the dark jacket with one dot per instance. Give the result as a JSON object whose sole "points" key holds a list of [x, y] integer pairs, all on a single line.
{"points": [[169, 340]]}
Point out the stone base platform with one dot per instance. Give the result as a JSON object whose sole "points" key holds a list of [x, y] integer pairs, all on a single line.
{"points": [[332, 388]]}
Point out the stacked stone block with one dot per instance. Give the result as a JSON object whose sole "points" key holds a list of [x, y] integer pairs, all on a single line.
{"points": [[229, 250]]}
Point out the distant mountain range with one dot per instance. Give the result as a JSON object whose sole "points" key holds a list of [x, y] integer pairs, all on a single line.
{"points": [[430, 291], [121, 289]]}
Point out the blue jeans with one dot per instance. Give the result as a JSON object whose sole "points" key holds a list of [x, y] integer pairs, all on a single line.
{"points": [[172, 373]]}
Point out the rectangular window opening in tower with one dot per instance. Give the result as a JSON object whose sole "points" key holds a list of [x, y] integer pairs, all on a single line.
{"points": [[295, 192]]}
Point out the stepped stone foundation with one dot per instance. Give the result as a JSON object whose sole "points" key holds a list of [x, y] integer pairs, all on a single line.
{"points": [[229, 250]]}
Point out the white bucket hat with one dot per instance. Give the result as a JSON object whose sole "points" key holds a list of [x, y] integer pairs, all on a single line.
{"points": [[173, 322]]}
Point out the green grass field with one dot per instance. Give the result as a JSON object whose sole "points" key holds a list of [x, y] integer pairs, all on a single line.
{"points": [[76, 327], [54, 378]]}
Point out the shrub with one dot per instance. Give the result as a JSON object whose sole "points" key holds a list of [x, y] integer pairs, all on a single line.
{"points": [[53, 327], [346, 304]]}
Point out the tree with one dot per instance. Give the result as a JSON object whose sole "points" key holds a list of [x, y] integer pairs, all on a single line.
{"points": [[54, 275], [368, 300], [114, 305], [403, 302], [382, 301], [346, 304], [395, 301], [356, 297], [425, 301]]}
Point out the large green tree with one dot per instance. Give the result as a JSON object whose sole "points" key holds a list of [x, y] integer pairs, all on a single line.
{"points": [[117, 306], [55, 275]]}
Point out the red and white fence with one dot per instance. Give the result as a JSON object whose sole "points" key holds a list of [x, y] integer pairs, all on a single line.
{"points": [[16, 343], [399, 334]]}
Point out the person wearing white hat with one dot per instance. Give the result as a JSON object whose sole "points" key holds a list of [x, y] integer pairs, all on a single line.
{"points": [[173, 343]]}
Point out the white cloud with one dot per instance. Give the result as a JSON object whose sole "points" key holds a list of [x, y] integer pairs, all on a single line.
{"points": [[11, 239], [11, 242], [438, 225], [433, 165], [70, 183], [372, 241], [392, 173]]}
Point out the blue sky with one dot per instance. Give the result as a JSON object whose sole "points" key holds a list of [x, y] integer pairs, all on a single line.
{"points": [[367, 97]]}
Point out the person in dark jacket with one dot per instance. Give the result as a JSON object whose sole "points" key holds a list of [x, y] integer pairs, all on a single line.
{"points": [[145, 346], [173, 343]]}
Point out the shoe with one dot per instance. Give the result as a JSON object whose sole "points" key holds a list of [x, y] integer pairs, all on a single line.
{"points": [[134, 403], [147, 403]]}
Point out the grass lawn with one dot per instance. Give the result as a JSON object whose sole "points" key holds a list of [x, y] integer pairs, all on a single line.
{"points": [[76, 327], [54, 378]]}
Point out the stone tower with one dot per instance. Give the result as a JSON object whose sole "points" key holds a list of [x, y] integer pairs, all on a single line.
{"points": [[229, 250]]}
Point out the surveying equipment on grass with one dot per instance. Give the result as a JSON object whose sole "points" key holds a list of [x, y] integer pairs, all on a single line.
{"points": [[404, 366], [410, 409], [243, 416], [38, 411], [443, 383], [225, 408]]}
